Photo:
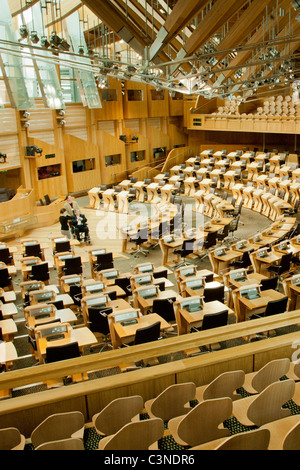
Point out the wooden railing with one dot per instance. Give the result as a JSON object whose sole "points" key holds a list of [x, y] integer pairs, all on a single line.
{"points": [[91, 396]]}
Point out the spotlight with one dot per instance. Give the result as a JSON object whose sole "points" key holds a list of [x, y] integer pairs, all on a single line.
{"points": [[3, 157], [34, 37], [62, 122], [23, 31], [44, 42], [81, 50], [26, 114], [31, 150], [64, 46], [296, 4], [54, 40], [61, 112], [134, 138], [26, 124]]}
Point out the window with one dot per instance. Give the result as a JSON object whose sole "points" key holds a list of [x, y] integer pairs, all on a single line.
{"points": [[135, 95], [83, 165], [157, 95], [177, 96], [109, 95], [49, 171], [159, 152], [137, 156], [111, 160]]}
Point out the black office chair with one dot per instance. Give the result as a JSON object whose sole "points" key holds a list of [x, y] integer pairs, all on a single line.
{"points": [[160, 273], [98, 324], [40, 272], [245, 262], [210, 241], [75, 293], [214, 320], [186, 249], [224, 234], [112, 295], [276, 306], [5, 278], [58, 304], [161, 285], [104, 261], [269, 283], [214, 293], [47, 199], [209, 277], [62, 247], [124, 283], [165, 309], [34, 250], [5, 256], [147, 334], [72, 266], [140, 237], [233, 226], [63, 352], [284, 265], [3, 195]]}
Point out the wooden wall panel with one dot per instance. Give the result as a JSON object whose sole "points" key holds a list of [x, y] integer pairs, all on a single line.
{"points": [[53, 186], [78, 149], [111, 109], [157, 107], [135, 109], [41, 124], [109, 145]]}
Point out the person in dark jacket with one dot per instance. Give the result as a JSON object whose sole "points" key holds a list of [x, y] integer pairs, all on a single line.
{"points": [[64, 220], [79, 222]]}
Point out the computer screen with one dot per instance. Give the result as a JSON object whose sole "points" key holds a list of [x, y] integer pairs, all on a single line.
{"points": [[146, 268], [262, 254], [220, 252], [30, 262], [238, 275], [35, 286], [110, 274], [62, 239], [41, 310], [98, 252], [187, 271], [62, 257], [143, 279], [73, 280], [148, 292], [126, 316], [54, 330], [98, 301], [196, 284], [295, 280], [43, 296], [251, 293], [192, 305], [99, 286]]}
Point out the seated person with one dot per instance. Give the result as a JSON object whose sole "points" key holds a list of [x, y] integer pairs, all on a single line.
{"points": [[71, 205], [79, 223]]}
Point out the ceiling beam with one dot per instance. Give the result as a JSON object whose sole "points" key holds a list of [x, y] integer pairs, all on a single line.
{"points": [[277, 23], [183, 12], [18, 6], [119, 23], [216, 17]]}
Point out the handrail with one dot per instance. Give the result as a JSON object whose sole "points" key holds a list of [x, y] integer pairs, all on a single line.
{"points": [[131, 354]]}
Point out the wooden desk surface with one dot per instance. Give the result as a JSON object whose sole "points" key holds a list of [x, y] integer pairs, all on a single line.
{"points": [[126, 334], [228, 256], [83, 336], [9, 309], [167, 294], [252, 278], [262, 301], [65, 315], [8, 352], [8, 327], [195, 318], [272, 257]]}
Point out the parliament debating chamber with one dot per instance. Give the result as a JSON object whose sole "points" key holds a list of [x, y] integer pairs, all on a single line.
{"points": [[149, 225]]}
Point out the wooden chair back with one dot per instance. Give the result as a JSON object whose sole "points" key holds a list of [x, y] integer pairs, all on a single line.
{"points": [[63, 444], [116, 414], [202, 423], [225, 385], [258, 439], [138, 435], [271, 372], [58, 426], [267, 406], [292, 439], [173, 401], [11, 439]]}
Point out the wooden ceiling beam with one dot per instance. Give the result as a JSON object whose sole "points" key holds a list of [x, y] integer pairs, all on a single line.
{"points": [[216, 17], [183, 12], [119, 23], [278, 23]]}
